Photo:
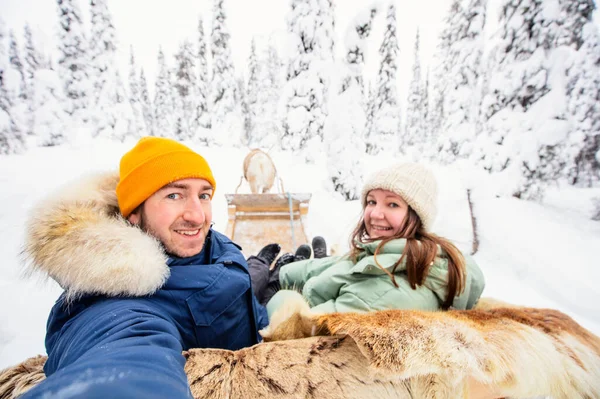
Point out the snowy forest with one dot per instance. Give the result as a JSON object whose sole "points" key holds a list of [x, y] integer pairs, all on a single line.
{"points": [[517, 95]]}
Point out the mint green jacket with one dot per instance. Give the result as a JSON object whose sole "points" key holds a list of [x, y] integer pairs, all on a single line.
{"points": [[336, 284]]}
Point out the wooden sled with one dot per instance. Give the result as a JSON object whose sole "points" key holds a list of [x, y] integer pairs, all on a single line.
{"points": [[256, 220]]}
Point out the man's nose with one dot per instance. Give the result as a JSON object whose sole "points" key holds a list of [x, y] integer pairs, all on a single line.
{"points": [[194, 212]]}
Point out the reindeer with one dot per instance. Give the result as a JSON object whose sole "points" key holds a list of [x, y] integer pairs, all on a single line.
{"points": [[259, 171]]}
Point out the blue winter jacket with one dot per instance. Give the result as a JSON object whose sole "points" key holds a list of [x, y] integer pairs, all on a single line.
{"points": [[129, 347]]}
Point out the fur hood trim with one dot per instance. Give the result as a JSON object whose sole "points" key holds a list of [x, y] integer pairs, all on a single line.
{"points": [[79, 238]]}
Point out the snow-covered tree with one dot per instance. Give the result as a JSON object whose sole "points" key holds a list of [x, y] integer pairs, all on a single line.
{"points": [[147, 109], [574, 15], [49, 117], [426, 105], [385, 119], [3, 51], [251, 98], [203, 92], [225, 112], [34, 59], [265, 81], [11, 134], [104, 74], [344, 142], [164, 122], [596, 213], [458, 79], [186, 89], [583, 92], [122, 121], [16, 62], [11, 137], [11, 140], [310, 24], [345, 124], [17, 87], [139, 125], [245, 111], [523, 109], [73, 60], [416, 135], [535, 113]]}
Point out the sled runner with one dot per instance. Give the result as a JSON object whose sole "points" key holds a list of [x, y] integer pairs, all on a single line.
{"points": [[258, 219]]}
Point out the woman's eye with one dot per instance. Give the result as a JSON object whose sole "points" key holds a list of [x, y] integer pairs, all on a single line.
{"points": [[371, 202], [394, 205]]}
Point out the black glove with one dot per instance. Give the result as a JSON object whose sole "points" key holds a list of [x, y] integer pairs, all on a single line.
{"points": [[284, 260]]}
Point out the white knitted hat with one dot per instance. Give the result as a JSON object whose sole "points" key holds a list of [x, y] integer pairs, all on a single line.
{"points": [[413, 182]]}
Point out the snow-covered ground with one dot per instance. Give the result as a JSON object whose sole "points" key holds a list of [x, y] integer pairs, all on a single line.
{"points": [[542, 255]]}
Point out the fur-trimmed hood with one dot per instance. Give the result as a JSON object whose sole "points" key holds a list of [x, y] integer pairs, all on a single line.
{"points": [[78, 237]]}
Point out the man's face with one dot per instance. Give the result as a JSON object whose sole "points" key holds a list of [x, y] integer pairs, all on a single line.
{"points": [[179, 215]]}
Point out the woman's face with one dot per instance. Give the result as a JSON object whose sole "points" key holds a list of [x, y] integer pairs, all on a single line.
{"points": [[384, 213]]}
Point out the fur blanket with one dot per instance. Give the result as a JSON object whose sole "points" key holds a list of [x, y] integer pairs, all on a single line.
{"points": [[518, 352], [79, 239]]}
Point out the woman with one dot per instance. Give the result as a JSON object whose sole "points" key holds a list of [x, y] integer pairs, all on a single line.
{"points": [[395, 261]]}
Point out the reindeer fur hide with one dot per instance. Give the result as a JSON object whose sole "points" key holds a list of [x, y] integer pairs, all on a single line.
{"points": [[518, 352]]}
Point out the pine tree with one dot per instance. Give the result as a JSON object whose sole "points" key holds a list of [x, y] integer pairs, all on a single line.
{"points": [[164, 123], [103, 50], [245, 112], [310, 24], [459, 75], [583, 92], [11, 138], [3, 51], [185, 85], [596, 212], [523, 110], [345, 124], [203, 116], [253, 136], [575, 14], [73, 60], [123, 123], [525, 35], [14, 58], [17, 89], [385, 119], [4, 101], [415, 137], [344, 140], [226, 118], [426, 104], [139, 125], [147, 109], [34, 61], [49, 117], [273, 79]]}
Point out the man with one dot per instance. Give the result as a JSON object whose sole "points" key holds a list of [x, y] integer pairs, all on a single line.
{"points": [[129, 310]]}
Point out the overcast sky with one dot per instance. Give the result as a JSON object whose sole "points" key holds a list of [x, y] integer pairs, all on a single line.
{"points": [[149, 24]]}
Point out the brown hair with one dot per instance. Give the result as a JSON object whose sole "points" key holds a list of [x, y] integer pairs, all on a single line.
{"points": [[420, 252]]}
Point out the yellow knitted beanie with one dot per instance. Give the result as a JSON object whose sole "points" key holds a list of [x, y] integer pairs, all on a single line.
{"points": [[153, 163], [414, 182]]}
